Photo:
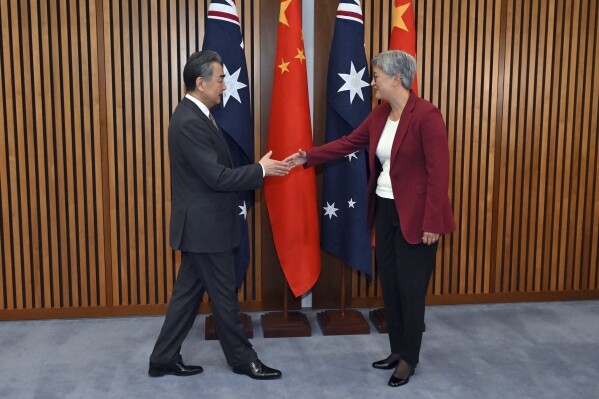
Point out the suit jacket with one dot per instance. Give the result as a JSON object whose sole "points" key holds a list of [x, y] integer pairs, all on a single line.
{"points": [[419, 169], [204, 207]]}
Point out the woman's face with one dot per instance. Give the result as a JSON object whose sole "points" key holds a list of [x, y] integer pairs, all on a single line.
{"points": [[382, 83]]}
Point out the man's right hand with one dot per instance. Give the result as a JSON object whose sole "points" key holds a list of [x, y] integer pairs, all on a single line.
{"points": [[272, 167]]}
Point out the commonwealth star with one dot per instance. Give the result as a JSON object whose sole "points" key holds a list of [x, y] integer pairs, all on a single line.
{"points": [[233, 85], [353, 82]]}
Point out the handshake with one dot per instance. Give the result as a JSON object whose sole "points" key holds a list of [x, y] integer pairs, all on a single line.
{"points": [[272, 167]]}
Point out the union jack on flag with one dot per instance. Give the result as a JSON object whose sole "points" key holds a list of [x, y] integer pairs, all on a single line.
{"points": [[224, 10]]}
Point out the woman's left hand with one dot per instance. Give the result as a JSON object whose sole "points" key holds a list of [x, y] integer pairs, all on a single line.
{"points": [[429, 238]]}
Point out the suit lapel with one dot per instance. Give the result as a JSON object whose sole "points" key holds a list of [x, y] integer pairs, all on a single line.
{"points": [[379, 125], [404, 123], [210, 125]]}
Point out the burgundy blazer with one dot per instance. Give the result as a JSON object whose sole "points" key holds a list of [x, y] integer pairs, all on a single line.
{"points": [[419, 165]]}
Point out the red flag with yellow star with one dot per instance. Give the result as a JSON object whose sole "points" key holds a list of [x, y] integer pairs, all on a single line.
{"points": [[291, 200], [403, 31]]}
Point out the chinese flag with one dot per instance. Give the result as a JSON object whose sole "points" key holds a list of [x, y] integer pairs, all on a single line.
{"points": [[291, 200], [403, 32]]}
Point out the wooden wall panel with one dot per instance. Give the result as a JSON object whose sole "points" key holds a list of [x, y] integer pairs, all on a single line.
{"points": [[88, 87], [52, 198], [513, 79], [547, 214], [456, 71], [139, 103]]}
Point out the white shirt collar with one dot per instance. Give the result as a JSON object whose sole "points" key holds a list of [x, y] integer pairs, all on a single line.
{"points": [[200, 104]]}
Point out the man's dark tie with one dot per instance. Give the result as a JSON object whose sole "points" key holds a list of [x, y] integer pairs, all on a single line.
{"points": [[213, 120]]}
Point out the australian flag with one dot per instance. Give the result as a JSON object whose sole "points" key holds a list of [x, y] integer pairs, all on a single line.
{"points": [[233, 115], [344, 231]]}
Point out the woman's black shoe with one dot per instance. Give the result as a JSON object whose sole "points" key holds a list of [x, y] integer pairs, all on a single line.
{"points": [[397, 382], [385, 364], [404, 368]]}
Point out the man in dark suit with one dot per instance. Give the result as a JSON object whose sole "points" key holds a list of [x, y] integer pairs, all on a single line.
{"points": [[204, 225]]}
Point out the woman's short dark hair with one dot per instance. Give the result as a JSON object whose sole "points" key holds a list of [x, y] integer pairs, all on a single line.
{"points": [[199, 65]]}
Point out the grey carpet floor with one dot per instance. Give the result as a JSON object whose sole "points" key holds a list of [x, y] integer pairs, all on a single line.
{"points": [[521, 350]]}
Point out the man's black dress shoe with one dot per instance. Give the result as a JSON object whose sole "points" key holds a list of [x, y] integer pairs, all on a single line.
{"points": [[257, 371], [385, 364], [158, 370]]}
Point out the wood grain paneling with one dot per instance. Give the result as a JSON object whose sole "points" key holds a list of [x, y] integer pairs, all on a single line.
{"points": [[52, 198], [513, 79], [547, 212], [87, 89]]}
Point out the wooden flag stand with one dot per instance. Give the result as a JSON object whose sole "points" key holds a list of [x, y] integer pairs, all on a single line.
{"points": [[379, 320], [285, 324], [342, 321]]}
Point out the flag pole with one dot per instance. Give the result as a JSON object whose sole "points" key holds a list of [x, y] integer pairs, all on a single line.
{"points": [[286, 301], [342, 307], [342, 321], [285, 323]]}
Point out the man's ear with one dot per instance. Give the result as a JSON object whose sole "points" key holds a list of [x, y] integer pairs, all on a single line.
{"points": [[199, 81]]}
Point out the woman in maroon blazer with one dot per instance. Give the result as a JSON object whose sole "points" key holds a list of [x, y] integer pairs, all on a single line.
{"points": [[407, 199]]}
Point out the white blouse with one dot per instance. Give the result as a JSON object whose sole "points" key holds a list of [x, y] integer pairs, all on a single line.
{"points": [[383, 152]]}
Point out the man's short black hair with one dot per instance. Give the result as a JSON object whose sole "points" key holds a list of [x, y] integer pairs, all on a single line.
{"points": [[199, 65]]}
